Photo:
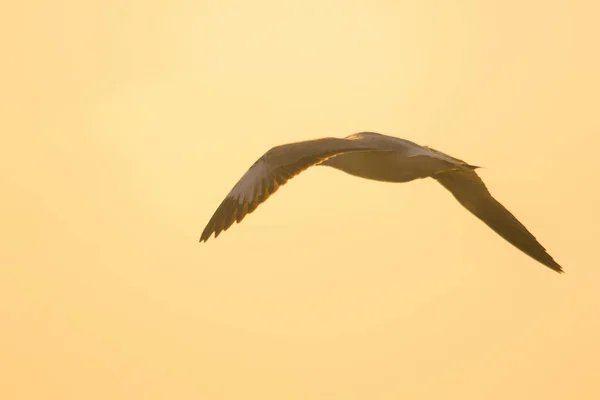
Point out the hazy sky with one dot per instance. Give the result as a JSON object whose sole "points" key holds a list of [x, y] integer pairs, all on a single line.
{"points": [[125, 123]]}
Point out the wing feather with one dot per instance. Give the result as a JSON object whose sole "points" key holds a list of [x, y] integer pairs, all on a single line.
{"points": [[468, 188], [269, 173]]}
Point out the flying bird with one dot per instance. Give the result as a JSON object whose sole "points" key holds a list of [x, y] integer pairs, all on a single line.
{"points": [[378, 157]]}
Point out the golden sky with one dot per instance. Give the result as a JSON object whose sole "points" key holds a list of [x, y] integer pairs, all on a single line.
{"points": [[125, 123]]}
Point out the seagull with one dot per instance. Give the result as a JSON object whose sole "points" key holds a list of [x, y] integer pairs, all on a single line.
{"points": [[377, 157]]}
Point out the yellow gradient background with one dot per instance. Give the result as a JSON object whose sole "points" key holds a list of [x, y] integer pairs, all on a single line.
{"points": [[125, 123]]}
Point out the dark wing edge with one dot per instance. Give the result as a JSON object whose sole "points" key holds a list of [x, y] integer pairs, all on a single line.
{"points": [[470, 191], [275, 175], [232, 210]]}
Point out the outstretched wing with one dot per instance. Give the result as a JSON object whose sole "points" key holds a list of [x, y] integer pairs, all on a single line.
{"points": [[468, 188], [271, 171]]}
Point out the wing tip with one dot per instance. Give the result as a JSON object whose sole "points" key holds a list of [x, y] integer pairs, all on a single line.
{"points": [[555, 267], [204, 238], [549, 262]]}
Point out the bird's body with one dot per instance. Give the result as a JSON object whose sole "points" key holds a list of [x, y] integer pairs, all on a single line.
{"points": [[378, 157], [387, 166]]}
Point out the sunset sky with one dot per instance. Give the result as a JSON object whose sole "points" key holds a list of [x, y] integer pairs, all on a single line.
{"points": [[125, 123]]}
